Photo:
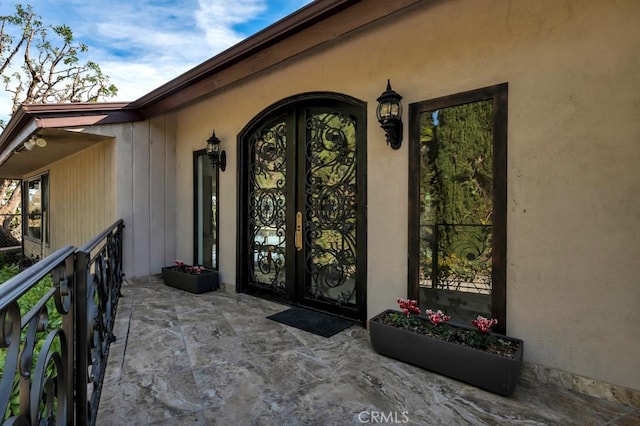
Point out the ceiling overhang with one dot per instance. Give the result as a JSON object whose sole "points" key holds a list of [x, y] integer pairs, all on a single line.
{"points": [[60, 144], [62, 126]]}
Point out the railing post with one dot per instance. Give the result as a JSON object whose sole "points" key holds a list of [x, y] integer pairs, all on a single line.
{"points": [[81, 337]]}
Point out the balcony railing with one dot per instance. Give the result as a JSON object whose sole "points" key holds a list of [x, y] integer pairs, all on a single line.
{"points": [[457, 257], [55, 351]]}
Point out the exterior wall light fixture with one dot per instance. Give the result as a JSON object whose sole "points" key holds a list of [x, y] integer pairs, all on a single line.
{"points": [[217, 157], [38, 141], [389, 113]]}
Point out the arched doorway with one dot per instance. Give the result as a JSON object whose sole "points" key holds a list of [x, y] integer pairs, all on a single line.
{"points": [[302, 223]]}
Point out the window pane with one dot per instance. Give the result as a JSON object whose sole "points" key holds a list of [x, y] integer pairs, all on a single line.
{"points": [[456, 207], [207, 213], [34, 208]]}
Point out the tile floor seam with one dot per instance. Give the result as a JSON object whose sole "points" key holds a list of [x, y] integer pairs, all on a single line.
{"points": [[191, 366], [126, 342]]}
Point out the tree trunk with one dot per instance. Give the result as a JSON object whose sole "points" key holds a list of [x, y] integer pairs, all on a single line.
{"points": [[8, 210], [8, 240]]}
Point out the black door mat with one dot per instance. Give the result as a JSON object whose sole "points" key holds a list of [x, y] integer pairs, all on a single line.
{"points": [[311, 321]]}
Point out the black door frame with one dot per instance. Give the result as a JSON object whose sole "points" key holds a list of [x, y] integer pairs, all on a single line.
{"points": [[312, 99]]}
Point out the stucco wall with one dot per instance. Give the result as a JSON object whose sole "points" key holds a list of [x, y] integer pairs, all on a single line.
{"points": [[573, 180], [81, 197]]}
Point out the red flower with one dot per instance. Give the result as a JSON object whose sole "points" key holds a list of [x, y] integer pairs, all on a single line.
{"points": [[409, 306], [484, 324], [436, 317]]}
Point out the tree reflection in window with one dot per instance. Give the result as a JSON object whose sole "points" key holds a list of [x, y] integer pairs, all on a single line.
{"points": [[458, 204], [36, 207]]}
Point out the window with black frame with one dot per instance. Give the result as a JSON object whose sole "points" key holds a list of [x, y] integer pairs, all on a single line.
{"points": [[205, 211], [36, 206], [457, 217]]}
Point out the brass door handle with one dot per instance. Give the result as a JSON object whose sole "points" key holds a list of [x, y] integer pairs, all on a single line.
{"points": [[298, 231]]}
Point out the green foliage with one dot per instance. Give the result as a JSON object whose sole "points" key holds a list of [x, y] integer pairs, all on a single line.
{"points": [[404, 321], [456, 180], [42, 63], [26, 303], [8, 271]]}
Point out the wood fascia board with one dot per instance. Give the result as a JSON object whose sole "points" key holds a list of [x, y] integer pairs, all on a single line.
{"points": [[29, 118], [9, 145], [15, 125], [113, 117], [75, 107], [335, 26], [297, 21]]}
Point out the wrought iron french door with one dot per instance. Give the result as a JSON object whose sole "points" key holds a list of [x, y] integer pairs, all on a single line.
{"points": [[303, 230]]}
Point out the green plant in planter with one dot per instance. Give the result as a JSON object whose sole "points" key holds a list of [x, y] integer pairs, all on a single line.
{"points": [[436, 324], [471, 354]]}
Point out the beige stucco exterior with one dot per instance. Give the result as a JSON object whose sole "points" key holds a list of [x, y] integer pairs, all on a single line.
{"points": [[572, 289], [572, 177]]}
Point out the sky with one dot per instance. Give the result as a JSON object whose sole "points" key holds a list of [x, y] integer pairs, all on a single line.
{"points": [[142, 44]]}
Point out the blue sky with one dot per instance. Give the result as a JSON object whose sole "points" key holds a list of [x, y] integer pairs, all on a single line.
{"points": [[142, 44]]}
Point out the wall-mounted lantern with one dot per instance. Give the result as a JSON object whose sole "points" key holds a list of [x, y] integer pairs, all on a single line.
{"points": [[389, 114], [217, 157]]}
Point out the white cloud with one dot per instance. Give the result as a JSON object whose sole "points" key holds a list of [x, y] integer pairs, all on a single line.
{"points": [[143, 44], [217, 18]]}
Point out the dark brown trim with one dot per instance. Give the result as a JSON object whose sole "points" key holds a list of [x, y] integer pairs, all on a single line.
{"points": [[330, 20], [499, 256], [74, 107], [294, 23], [67, 115]]}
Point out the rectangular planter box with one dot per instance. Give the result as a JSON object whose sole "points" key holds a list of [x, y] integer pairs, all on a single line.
{"points": [[206, 281], [487, 371]]}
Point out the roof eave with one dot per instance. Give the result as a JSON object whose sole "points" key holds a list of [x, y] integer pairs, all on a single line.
{"points": [[36, 116], [291, 24]]}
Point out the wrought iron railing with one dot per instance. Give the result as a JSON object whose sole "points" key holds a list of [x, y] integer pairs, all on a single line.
{"points": [[457, 257], [53, 370]]}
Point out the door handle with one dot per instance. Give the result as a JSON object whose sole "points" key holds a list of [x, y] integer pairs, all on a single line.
{"points": [[298, 231]]}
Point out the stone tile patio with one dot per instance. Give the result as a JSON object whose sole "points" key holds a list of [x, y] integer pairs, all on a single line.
{"points": [[214, 359]]}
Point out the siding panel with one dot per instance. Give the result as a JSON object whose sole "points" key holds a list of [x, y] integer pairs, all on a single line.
{"points": [[81, 196]]}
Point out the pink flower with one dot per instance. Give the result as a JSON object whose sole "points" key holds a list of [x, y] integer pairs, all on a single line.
{"points": [[436, 317], [484, 324], [179, 263], [196, 270], [409, 306]]}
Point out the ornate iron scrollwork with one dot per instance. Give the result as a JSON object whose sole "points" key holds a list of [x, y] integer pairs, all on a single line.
{"points": [[36, 363], [267, 207], [330, 223], [50, 360]]}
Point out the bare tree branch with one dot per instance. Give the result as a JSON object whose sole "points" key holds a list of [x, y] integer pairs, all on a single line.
{"points": [[50, 71]]}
